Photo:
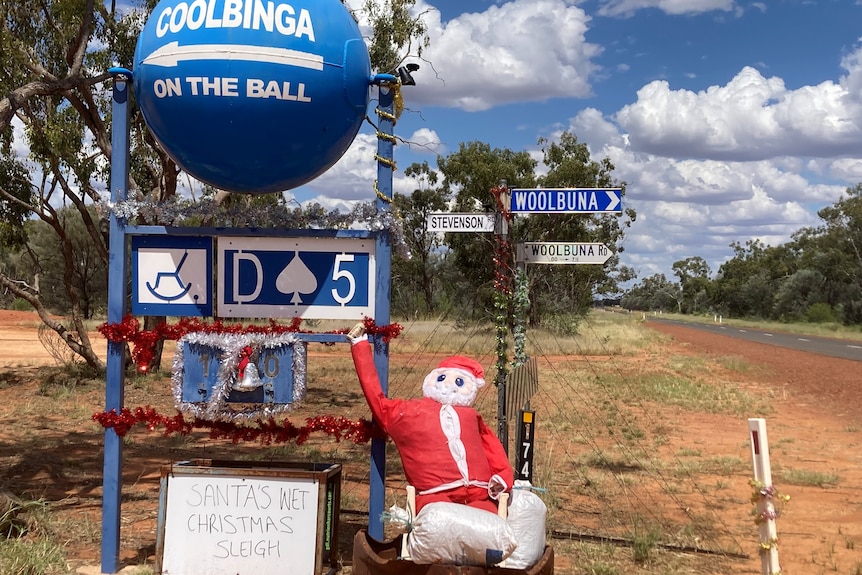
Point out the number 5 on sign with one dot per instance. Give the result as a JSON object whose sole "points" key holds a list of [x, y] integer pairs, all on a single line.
{"points": [[339, 273]]}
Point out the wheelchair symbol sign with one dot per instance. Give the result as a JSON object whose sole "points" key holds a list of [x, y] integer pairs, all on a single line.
{"points": [[172, 275]]}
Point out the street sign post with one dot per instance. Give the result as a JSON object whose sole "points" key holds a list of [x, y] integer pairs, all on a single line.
{"points": [[460, 222], [563, 253], [566, 201]]}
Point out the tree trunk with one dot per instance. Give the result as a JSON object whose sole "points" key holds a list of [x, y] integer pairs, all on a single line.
{"points": [[151, 323], [77, 339]]}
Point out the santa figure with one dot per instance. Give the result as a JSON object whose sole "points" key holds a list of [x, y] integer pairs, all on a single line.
{"points": [[447, 450]]}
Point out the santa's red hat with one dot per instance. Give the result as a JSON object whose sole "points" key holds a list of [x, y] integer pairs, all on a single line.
{"points": [[467, 365]]}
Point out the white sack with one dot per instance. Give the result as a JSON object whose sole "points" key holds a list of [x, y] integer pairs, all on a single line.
{"points": [[527, 515], [457, 534]]}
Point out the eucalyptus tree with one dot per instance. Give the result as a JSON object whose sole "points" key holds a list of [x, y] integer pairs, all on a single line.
{"points": [[398, 34], [746, 284], [653, 293], [52, 70], [416, 275], [476, 169], [693, 274], [469, 175], [834, 251]]}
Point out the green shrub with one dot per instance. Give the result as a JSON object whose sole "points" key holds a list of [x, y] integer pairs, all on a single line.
{"points": [[21, 304], [820, 313]]}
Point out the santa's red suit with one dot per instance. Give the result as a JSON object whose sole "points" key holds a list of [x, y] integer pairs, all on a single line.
{"points": [[448, 452]]}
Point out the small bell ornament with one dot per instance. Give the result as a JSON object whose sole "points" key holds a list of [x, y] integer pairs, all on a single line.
{"points": [[249, 380]]}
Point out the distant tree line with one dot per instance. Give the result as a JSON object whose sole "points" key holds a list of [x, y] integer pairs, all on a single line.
{"points": [[816, 276]]}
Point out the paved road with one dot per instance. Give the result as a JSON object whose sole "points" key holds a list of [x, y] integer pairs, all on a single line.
{"points": [[846, 349]]}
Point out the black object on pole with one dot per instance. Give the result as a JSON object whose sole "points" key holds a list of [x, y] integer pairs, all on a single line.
{"points": [[525, 441]]}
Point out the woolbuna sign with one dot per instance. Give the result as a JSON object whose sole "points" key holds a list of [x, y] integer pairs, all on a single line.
{"points": [[252, 96]]}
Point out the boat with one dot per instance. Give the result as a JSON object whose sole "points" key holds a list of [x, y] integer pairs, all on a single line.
{"points": [[372, 557]]}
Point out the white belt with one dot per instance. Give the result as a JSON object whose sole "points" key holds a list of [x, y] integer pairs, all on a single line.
{"points": [[455, 485]]}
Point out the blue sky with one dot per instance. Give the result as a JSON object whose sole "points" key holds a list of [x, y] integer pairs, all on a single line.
{"points": [[728, 120]]}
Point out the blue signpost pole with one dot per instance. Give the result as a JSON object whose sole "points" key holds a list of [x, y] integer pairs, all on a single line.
{"points": [[383, 251], [117, 270]]}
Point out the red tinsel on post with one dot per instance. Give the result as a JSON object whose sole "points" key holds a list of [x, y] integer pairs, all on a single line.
{"points": [[144, 341], [266, 432]]}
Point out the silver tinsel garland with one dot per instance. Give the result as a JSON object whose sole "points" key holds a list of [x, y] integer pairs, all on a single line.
{"points": [[208, 212], [231, 347]]}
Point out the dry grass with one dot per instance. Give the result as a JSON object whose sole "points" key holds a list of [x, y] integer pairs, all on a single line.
{"points": [[627, 492]]}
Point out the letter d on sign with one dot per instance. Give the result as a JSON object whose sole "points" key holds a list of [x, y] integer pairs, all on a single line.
{"points": [[258, 283]]}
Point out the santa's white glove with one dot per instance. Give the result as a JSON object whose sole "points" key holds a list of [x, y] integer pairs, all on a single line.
{"points": [[357, 334], [496, 486]]}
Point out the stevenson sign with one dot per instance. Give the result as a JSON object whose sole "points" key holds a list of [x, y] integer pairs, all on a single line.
{"points": [[460, 222]]}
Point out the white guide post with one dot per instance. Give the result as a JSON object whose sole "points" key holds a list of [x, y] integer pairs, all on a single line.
{"points": [[765, 504]]}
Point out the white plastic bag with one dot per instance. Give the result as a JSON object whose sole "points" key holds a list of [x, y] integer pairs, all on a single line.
{"points": [[527, 515], [461, 535], [399, 518]]}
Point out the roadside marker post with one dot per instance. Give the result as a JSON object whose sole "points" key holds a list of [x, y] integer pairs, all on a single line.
{"points": [[765, 505]]}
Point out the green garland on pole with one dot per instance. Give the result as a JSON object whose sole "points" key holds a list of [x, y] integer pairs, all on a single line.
{"points": [[520, 306]]}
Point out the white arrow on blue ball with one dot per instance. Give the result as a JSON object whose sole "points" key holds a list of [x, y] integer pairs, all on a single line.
{"points": [[172, 53]]}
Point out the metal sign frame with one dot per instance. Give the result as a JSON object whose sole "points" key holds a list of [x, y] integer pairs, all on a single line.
{"points": [[118, 273]]}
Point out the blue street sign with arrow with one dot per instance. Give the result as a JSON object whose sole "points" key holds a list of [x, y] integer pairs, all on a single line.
{"points": [[566, 200]]}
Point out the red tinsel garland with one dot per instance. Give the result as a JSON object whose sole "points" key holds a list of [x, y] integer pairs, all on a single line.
{"points": [[267, 432], [144, 341]]}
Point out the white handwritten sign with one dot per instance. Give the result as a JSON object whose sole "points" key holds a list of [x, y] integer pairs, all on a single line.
{"points": [[233, 525]]}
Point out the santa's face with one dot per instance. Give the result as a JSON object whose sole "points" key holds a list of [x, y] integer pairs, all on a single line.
{"points": [[450, 386]]}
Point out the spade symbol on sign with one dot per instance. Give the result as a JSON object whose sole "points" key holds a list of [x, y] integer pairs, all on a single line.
{"points": [[297, 279]]}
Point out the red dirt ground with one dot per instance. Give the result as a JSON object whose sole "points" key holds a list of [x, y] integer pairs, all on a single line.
{"points": [[816, 426]]}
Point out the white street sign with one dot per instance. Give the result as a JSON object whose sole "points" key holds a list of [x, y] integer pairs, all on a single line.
{"points": [[460, 222], [563, 253]]}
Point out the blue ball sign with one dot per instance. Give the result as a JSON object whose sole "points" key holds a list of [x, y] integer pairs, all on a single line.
{"points": [[252, 96]]}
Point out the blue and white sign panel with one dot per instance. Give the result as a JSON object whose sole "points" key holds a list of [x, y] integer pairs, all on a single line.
{"points": [[312, 278], [567, 201], [172, 275]]}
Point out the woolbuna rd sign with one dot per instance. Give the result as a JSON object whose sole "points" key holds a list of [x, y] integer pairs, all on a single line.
{"points": [[252, 96]]}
